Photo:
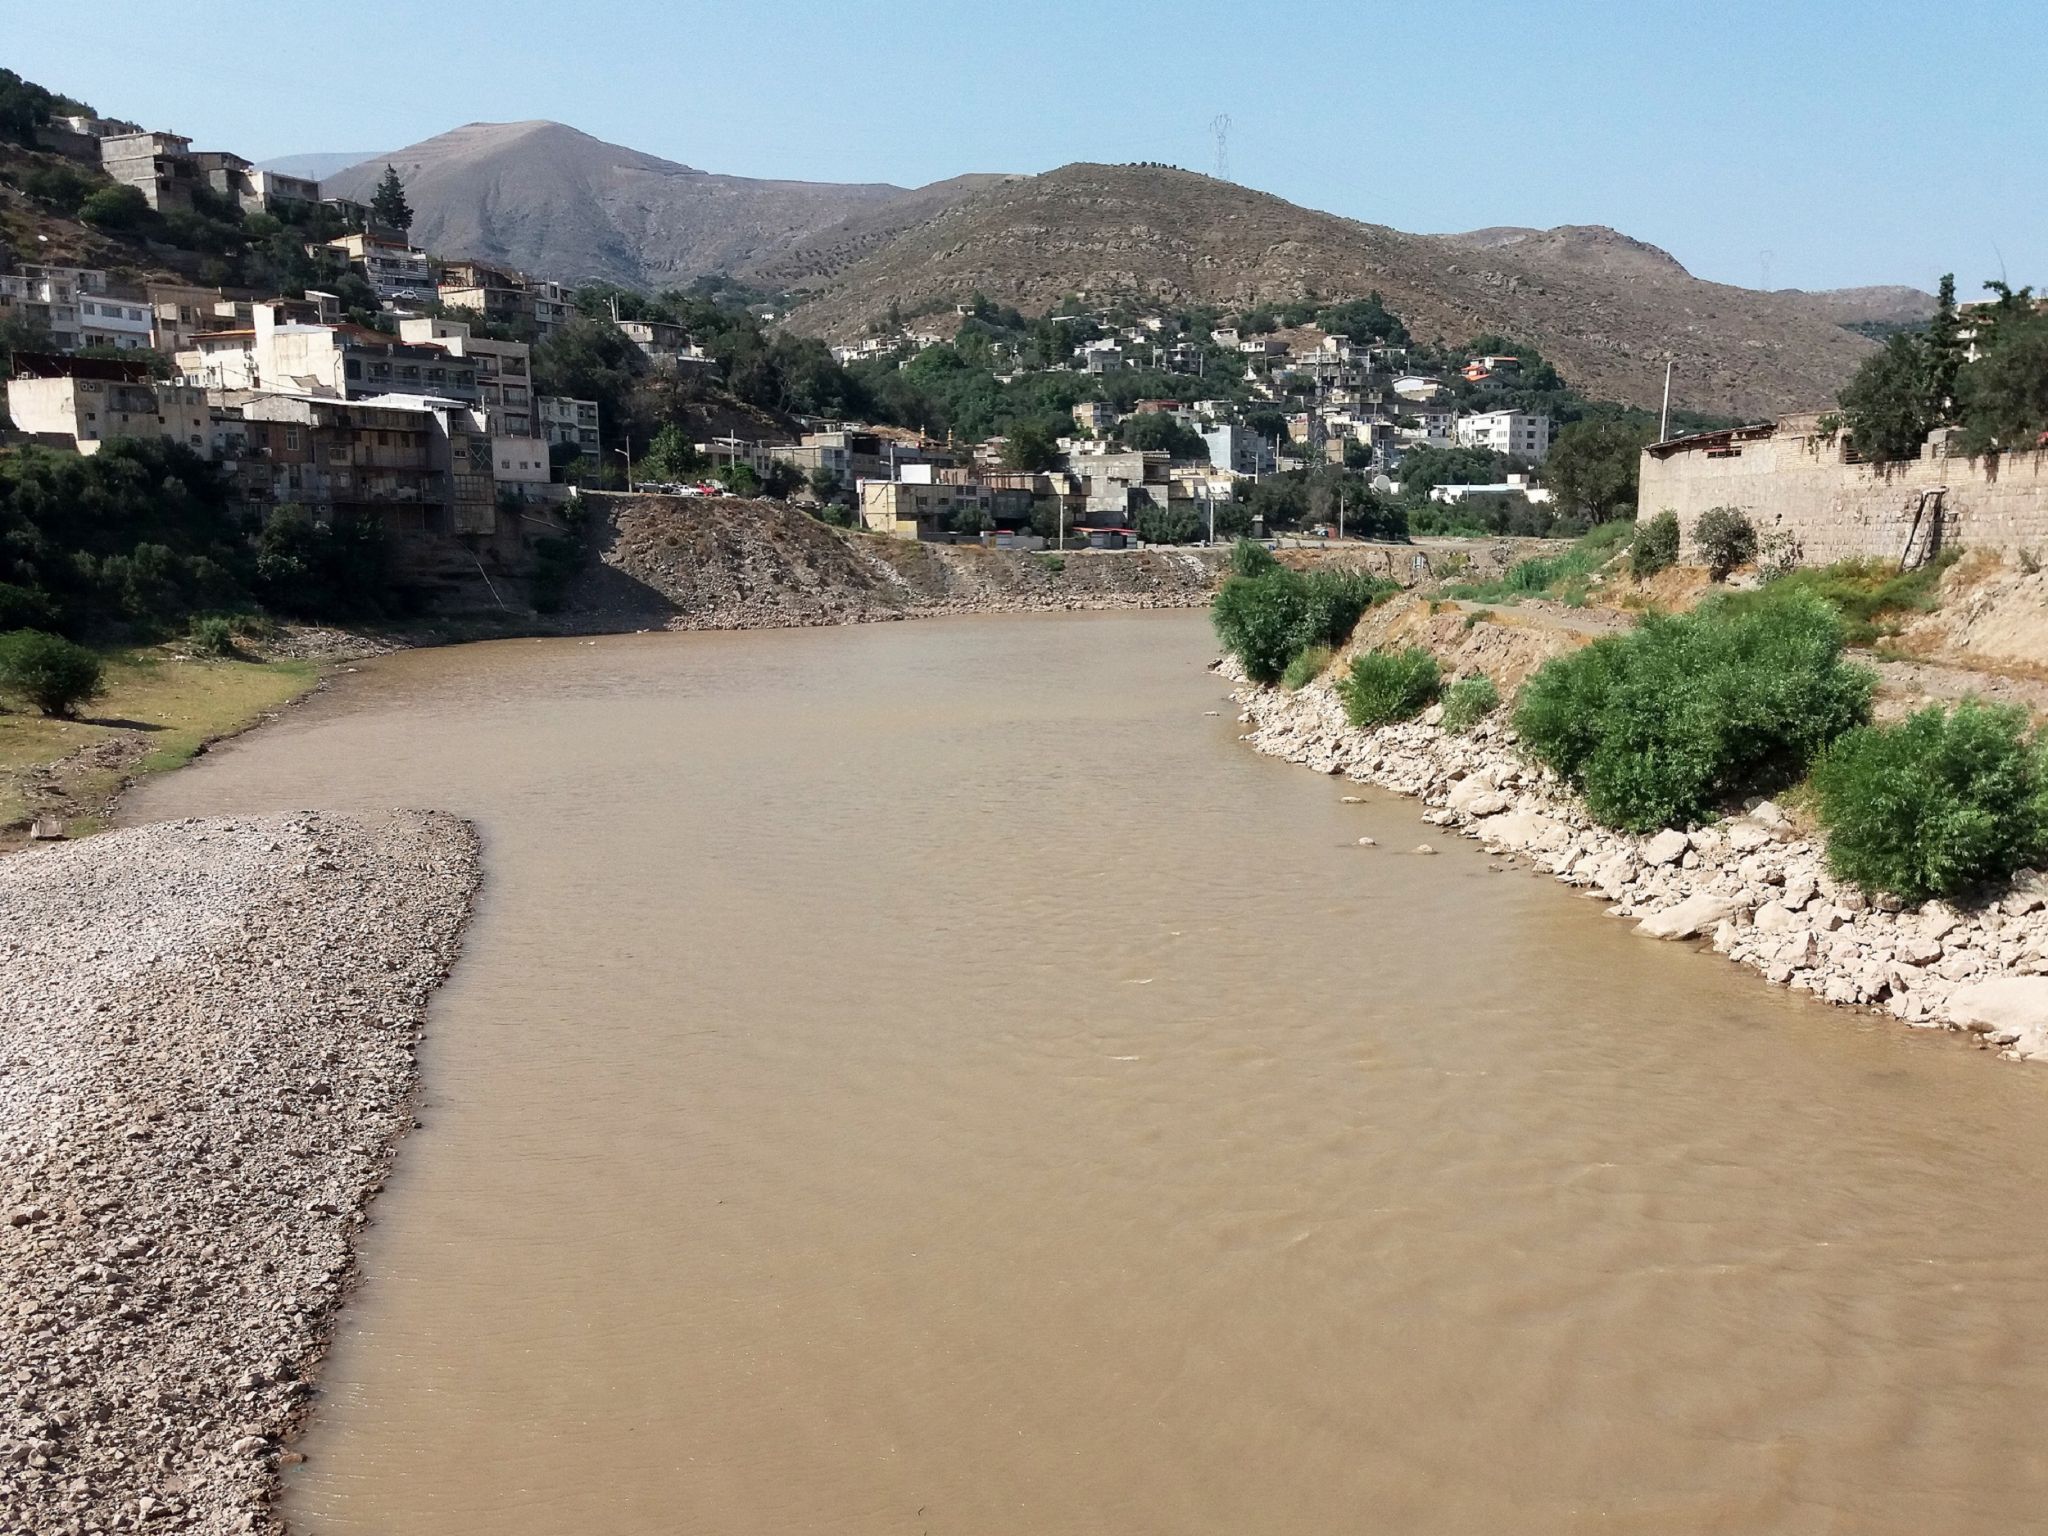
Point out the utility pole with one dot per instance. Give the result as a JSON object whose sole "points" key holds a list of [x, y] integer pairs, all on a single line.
{"points": [[1340, 514], [1664, 419]]}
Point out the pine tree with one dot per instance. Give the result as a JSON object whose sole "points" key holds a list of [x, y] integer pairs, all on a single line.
{"points": [[1944, 353], [388, 205]]}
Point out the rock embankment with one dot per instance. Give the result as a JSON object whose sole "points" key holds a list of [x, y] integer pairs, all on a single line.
{"points": [[207, 1034], [1756, 887]]}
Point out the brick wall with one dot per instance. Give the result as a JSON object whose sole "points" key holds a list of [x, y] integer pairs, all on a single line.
{"points": [[1798, 482]]}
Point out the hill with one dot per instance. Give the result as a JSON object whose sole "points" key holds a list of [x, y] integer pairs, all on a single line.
{"points": [[550, 200], [1606, 309], [319, 165]]}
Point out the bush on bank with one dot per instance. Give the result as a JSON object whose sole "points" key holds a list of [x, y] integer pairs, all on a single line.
{"points": [[1385, 686], [1267, 614], [1655, 546], [1469, 701], [1938, 803], [1664, 725], [1726, 539]]}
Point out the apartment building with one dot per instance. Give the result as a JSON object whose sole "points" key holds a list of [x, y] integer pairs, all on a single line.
{"points": [[400, 272], [48, 297], [567, 422], [287, 351], [159, 165], [1238, 450], [1519, 434], [105, 320], [90, 401], [504, 370]]}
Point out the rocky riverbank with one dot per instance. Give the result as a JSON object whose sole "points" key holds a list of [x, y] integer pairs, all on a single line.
{"points": [[1755, 887], [207, 1034]]}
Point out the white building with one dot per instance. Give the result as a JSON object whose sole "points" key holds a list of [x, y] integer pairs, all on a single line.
{"points": [[1416, 386], [1519, 434], [1514, 485], [126, 324]]}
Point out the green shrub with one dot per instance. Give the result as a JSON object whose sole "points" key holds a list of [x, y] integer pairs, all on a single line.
{"points": [[1663, 725], [1306, 668], [212, 636], [1385, 686], [1935, 804], [1655, 546], [1726, 539], [1266, 620], [1468, 701], [1248, 557], [51, 673]]}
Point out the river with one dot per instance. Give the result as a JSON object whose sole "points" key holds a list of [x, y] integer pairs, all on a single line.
{"points": [[932, 1077]]}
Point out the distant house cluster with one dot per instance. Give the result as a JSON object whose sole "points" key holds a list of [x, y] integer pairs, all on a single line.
{"points": [[425, 419]]}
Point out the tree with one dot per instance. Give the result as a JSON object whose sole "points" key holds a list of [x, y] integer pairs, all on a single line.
{"points": [[118, 209], [670, 457], [51, 673], [1156, 430], [388, 204], [1030, 447], [1592, 467], [1944, 349], [2003, 395], [1886, 404]]}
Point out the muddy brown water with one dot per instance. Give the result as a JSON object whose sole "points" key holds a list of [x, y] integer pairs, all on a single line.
{"points": [[933, 1078]]}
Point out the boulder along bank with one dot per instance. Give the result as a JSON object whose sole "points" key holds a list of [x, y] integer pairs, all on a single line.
{"points": [[1755, 887], [207, 1036]]}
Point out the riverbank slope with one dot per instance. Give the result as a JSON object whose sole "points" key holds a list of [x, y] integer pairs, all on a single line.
{"points": [[207, 1032]]}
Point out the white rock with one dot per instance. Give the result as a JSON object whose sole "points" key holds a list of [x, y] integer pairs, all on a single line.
{"points": [[1666, 846], [1685, 920], [1747, 836], [1937, 920], [1799, 889], [1775, 917], [1918, 949], [2018, 1004]]}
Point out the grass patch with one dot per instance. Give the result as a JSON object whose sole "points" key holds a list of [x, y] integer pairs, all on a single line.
{"points": [[1874, 597], [170, 706], [1565, 575], [1306, 668]]}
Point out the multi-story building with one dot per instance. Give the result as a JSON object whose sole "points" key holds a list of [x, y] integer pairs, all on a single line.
{"points": [[400, 272], [270, 188], [1519, 434], [1424, 425], [504, 370], [1238, 450], [48, 297], [92, 400], [109, 320], [159, 165], [285, 351], [1097, 416], [569, 422], [343, 458], [504, 296]]}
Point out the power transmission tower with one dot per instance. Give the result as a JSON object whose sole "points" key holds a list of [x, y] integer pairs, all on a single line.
{"points": [[1219, 125]]}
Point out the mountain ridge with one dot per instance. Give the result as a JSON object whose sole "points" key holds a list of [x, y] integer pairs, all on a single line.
{"points": [[1607, 307]]}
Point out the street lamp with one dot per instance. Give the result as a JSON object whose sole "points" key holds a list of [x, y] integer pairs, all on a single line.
{"points": [[626, 453]]}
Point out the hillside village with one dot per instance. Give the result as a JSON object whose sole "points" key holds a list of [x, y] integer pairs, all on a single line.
{"points": [[378, 380]]}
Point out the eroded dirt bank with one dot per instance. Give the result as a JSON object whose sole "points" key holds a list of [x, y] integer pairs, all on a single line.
{"points": [[727, 563], [207, 1034]]}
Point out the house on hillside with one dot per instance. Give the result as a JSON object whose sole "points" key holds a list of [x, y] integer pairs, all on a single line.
{"points": [[1519, 434], [84, 402]]}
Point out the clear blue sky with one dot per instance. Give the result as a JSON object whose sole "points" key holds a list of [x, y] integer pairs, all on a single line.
{"points": [[1857, 141]]}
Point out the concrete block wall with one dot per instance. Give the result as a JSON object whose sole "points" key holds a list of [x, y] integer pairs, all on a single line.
{"points": [[1798, 482]]}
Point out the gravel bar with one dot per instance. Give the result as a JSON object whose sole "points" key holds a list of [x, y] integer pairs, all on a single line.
{"points": [[207, 1035]]}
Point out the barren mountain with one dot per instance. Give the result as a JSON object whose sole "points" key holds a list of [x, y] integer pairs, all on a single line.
{"points": [[558, 203], [1890, 305], [1607, 309]]}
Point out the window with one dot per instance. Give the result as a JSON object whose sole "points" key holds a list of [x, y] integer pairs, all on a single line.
{"points": [[291, 439]]}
